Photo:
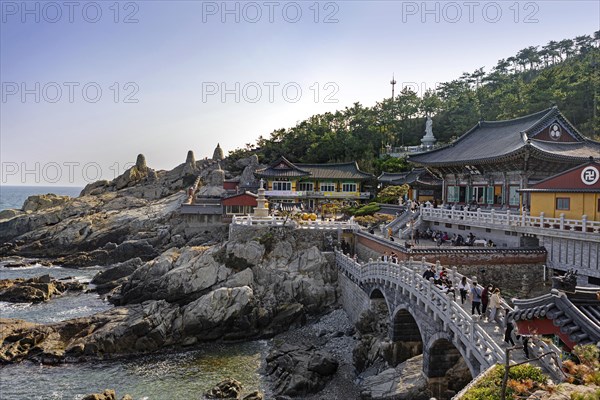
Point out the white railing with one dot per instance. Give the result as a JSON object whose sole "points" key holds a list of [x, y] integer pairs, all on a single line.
{"points": [[270, 221], [316, 194], [407, 278], [506, 218], [297, 224], [327, 225]]}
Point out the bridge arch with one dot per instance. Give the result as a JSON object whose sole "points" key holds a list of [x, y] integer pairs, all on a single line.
{"points": [[441, 354], [405, 333]]}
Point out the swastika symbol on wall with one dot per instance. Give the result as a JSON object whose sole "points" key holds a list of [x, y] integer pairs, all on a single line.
{"points": [[590, 175]]}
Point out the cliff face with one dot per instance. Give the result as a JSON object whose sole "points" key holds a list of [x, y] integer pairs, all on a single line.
{"points": [[231, 291], [167, 290], [112, 221]]}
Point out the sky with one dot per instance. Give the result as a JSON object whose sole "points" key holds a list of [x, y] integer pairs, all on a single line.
{"points": [[88, 85]]}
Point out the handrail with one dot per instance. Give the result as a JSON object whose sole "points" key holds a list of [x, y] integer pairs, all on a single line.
{"points": [[408, 276], [283, 221], [507, 218]]}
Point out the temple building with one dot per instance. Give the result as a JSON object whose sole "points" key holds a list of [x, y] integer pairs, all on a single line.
{"points": [[240, 204], [572, 193], [423, 186], [494, 160], [312, 185]]}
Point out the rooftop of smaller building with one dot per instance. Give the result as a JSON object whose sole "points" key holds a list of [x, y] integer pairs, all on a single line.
{"points": [[576, 314], [283, 168]]}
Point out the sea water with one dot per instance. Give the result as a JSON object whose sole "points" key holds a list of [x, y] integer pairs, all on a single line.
{"points": [[14, 196], [170, 375]]}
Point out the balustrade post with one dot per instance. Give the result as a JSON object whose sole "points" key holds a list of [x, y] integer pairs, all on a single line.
{"points": [[523, 217], [452, 212], [422, 263], [584, 223], [478, 214], [448, 309], [472, 332], [413, 277], [453, 277], [438, 266], [465, 213], [492, 216], [429, 289], [542, 219], [562, 221], [412, 262]]}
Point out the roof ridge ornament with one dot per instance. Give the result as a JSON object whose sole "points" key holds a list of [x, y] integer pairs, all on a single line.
{"points": [[565, 283]]}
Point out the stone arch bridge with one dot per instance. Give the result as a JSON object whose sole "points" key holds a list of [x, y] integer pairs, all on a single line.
{"points": [[423, 318]]}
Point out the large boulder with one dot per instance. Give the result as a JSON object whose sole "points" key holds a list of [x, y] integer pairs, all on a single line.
{"points": [[406, 381], [43, 201], [222, 313], [298, 370], [37, 289], [226, 389], [117, 271], [10, 213], [108, 394], [116, 275]]}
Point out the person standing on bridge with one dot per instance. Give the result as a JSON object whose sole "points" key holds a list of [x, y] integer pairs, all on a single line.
{"points": [[495, 301], [464, 289], [430, 273], [485, 298], [476, 298]]}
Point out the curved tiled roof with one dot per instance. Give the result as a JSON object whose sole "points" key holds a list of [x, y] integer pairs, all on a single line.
{"points": [[340, 171], [577, 315], [419, 175], [282, 168], [583, 150], [490, 140]]}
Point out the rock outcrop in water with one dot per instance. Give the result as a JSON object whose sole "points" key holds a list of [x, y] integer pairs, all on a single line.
{"points": [[108, 394], [236, 290], [38, 289]]}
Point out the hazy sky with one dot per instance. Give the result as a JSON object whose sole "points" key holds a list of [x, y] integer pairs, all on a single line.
{"points": [[86, 86]]}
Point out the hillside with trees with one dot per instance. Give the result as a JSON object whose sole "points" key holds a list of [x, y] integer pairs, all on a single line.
{"points": [[565, 73]]}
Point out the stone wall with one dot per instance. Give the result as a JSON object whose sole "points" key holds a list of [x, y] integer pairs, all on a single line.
{"points": [[502, 238], [518, 271], [323, 239], [514, 280], [353, 299], [565, 254]]}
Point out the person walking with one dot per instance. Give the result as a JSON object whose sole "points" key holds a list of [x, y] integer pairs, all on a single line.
{"points": [[495, 301], [464, 288], [508, 334], [476, 298], [485, 299]]}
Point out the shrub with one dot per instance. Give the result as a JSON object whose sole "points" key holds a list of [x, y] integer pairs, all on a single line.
{"points": [[587, 371], [522, 381], [368, 209]]}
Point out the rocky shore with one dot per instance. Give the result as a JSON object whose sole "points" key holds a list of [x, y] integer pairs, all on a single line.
{"points": [[174, 289], [37, 289]]}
